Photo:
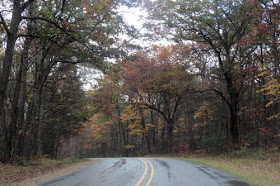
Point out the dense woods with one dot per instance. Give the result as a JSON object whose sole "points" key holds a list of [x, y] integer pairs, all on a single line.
{"points": [[43, 46], [215, 87]]}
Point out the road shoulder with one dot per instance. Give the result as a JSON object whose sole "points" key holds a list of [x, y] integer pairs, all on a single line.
{"points": [[255, 171], [53, 174]]}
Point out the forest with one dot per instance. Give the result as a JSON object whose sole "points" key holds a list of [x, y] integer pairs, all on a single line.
{"points": [[215, 87]]}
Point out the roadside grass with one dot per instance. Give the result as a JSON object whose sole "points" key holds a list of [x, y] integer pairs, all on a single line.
{"points": [[255, 167], [22, 168]]}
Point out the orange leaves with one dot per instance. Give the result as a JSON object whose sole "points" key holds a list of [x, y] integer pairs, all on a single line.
{"points": [[149, 125], [132, 116], [160, 70], [130, 113]]}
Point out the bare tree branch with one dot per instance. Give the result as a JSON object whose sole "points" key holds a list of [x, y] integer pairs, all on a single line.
{"points": [[26, 4], [3, 22]]}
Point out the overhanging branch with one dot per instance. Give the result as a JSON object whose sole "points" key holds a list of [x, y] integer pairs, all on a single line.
{"points": [[3, 22]]}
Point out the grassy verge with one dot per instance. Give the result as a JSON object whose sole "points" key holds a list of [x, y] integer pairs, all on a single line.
{"points": [[26, 169], [257, 168]]}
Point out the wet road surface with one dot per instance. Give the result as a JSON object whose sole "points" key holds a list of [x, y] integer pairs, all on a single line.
{"points": [[147, 171]]}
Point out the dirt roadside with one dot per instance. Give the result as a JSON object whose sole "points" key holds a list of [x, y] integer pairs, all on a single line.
{"points": [[53, 174]]}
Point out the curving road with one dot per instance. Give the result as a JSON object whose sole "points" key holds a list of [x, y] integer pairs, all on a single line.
{"points": [[147, 171]]}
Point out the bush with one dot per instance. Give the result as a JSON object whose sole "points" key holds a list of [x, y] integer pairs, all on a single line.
{"points": [[216, 144], [20, 161]]}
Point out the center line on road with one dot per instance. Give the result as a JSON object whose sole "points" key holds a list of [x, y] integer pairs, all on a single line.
{"points": [[144, 174], [152, 174]]}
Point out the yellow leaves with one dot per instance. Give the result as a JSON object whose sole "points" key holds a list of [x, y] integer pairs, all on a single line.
{"points": [[129, 147], [132, 116], [274, 116], [204, 110], [196, 125], [272, 88], [263, 73], [204, 114], [136, 131], [150, 125], [130, 113], [135, 128], [2, 53], [181, 126], [197, 115]]}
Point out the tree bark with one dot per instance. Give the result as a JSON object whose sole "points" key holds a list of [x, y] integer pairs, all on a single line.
{"points": [[18, 119], [5, 74], [170, 137]]}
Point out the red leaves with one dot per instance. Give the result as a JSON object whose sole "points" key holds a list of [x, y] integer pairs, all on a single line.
{"points": [[161, 70], [264, 132]]}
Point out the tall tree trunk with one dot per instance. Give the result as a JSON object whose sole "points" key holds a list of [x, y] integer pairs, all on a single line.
{"points": [[147, 137], [155, 130], [233, 107], [23, 81], [5, 74], [227, 70], [170, 137], [163, 142], [125, 139], [20, 99], [34, 114], [40, 129]]}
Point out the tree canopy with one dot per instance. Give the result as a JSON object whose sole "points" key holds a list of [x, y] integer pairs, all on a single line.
{"points": [[213, 87]]}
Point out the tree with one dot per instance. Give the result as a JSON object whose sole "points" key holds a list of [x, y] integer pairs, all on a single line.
{"points": [[222, 25], [45, 34], [159, 80], [271, 89], [64, 108], [108, 100]]}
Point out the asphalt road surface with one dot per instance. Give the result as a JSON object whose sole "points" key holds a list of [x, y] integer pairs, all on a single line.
{"points": [[147, 171]]}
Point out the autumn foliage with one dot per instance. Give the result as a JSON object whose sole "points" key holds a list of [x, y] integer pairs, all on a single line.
{"points": [[214, 88]]}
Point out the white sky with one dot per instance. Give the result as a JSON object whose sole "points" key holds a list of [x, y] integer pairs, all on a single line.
{"points": [[135, 17], [132, 16]]}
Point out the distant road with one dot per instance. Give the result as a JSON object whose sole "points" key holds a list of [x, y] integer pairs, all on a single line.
{"points": [[147, 171]]}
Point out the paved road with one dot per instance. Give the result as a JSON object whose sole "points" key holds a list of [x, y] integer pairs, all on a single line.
{"points": [[147, 171]]}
